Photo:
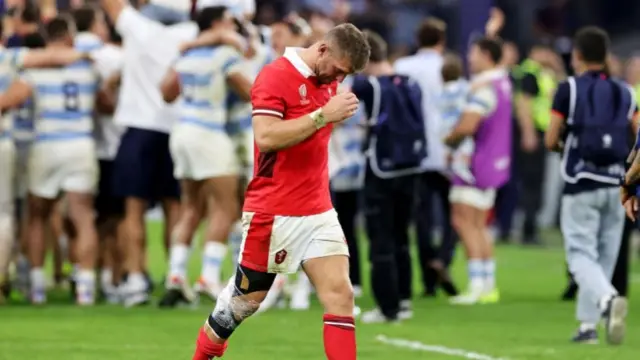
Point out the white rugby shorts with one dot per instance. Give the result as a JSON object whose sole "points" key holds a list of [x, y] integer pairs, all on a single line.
{"points": [[7, 166], [472, 196], [200, 154], [69, 165], [280, 244]]}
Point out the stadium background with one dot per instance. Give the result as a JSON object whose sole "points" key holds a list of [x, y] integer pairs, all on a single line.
{"points": [[530, 323]]}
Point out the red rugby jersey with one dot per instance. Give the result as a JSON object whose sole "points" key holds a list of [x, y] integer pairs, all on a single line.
{"points": [[292, 181]]}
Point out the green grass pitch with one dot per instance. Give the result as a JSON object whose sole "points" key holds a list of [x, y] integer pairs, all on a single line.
{"points": [[529, 323]]}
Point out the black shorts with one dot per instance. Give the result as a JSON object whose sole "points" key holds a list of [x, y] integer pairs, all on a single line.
{"points": [[107, 204], [143, 167]]}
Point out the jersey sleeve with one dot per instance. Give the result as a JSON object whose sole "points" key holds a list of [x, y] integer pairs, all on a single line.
{"points": [[267, 98], [482, 100], [233, 61], [13, 58], [27, 76], [560, 106], [107, 61]]}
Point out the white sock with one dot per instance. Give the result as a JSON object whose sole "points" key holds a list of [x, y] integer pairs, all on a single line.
{"points": [[37, 278], [74, 272], [475, 268], [86, 280], [587, 326], [489, 274], [214, 253], [235, 240], [6, 244], [178, 258], [106, 280], [136, 281]]}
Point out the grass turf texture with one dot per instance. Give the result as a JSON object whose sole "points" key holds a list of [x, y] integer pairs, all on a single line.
{"points": [[529, 323]]}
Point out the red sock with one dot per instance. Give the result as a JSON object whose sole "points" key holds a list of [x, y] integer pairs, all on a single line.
{"points": [[207, 349], [339, 337]]}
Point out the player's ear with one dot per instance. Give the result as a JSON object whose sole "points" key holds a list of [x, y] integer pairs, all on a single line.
{"points": [[322, 48]]}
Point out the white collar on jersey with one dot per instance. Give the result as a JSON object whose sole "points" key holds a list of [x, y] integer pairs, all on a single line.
{"points": [[87, 36], [291, 54], [489, 75]]}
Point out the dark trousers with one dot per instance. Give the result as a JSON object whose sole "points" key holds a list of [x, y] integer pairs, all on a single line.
{"points": [[433, 199], [346, 205], [532, 179], [387, 209], [620, 278]]}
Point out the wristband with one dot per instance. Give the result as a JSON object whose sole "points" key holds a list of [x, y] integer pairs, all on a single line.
{"points": [[628, 187], [318, 119]]}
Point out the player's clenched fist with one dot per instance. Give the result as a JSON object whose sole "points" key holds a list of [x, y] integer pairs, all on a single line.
{"points": [[340, 107]]}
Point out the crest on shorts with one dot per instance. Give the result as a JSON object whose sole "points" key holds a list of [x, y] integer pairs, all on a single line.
{"points": [[302, 90], [280, 256]]}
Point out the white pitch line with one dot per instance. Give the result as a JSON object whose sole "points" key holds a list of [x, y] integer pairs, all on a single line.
{"points": [[439, 349]]}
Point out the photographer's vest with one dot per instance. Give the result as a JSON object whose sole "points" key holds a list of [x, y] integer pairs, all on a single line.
{"points": [[541, 105]]}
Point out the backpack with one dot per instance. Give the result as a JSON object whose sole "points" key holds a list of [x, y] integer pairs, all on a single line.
{"points": [[601, 128], [397, 131]]}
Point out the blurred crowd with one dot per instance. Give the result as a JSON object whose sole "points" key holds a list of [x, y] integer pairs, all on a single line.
{"points": [[142, 48]]}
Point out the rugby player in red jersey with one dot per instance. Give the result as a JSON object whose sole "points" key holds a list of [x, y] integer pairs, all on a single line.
{"points": [[288, 219]]}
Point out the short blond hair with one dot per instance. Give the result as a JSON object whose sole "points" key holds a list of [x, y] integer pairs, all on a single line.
{"points": [[452, 67], [349, 41]]}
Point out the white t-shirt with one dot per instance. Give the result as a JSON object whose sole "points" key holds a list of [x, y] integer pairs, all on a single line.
{"points": [[108, 60], [150, 49], [425, 67]]}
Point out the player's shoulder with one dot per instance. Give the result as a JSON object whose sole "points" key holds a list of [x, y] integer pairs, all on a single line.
{"points": [[275, 72], [227, 50]]}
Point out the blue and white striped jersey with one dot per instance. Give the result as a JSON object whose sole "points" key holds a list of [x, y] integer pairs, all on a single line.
{"points": [[23, 118], [346, 157], [10, 63], [451, 103], [64, 101], [203, 76], [239, 110]]}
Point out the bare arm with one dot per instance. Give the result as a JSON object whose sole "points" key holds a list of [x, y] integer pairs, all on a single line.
{"points": [[209, 38], [52, 57], [240, 85], [553, 133], [524, 109], [16, 95], [272, 134], [113, 8], [170, 86], [467, 126]]}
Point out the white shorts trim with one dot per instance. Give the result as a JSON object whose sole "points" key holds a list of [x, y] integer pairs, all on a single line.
{"points": [[469, 195]]}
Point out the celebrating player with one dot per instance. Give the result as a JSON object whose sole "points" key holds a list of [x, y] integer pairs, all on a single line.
{"points": [[288, 217], [204, 154], [62, 157]]}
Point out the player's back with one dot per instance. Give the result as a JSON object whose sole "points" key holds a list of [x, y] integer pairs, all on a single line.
{"points": [[203, 83], [292, 181], [64, 100]]}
